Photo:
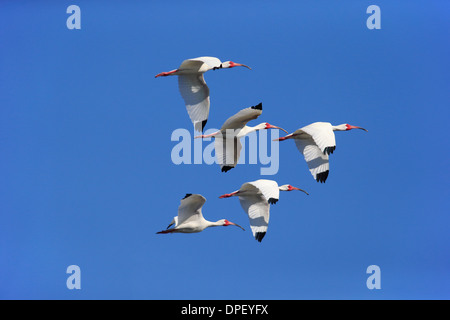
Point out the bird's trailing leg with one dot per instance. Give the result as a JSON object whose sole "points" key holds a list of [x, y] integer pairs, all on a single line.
{"points": [[166, 231], [227, 195], [284, 138], [165, 74], [207, 135]]}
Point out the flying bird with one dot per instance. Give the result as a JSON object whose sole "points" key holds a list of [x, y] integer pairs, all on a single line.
{"points": [[193, 88], [316, 141], [255, 198], [227, 140], [190, 218]]}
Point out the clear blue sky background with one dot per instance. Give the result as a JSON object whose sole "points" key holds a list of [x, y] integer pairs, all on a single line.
{"points": [[87, 178]]}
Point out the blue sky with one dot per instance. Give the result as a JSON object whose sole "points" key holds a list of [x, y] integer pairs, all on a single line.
{"points": [[87, 177]]}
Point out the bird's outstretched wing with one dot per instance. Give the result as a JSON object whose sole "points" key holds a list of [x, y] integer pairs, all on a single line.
{"points": [[268, 188], [240, 119], [197, 63], [317, 161], [323, 135], [190, 208], [257, 208], [228, 150], [195, 94], [194, 90]]}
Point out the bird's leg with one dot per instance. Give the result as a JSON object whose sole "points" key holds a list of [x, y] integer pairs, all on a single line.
{"points": [[227, 195], [166, 231], [284, 138], [165, 74], [207, 135]]}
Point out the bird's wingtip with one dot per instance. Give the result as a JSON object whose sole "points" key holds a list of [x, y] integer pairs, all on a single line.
{"points": [[259, 236], [226, 168], [200, 125], [329, 150], [204, 124], [257, 107], [322, 176]]}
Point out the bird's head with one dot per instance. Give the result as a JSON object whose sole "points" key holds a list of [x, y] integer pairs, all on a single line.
{"points": [[346, 127], [288, 187], [231, 64], [227, 223], [266, 125]]}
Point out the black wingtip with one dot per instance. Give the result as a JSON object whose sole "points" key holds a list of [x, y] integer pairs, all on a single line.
{"points": [[329, 150], [199, 126], [187, 195], [258, 106], [322, 177], [272, 200], [226, 168], [204, 124], [259, 236]]}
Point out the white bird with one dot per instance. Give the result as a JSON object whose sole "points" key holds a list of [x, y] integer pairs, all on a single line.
{"points": [[227, 140], [255, 198], [316, 141], [190, 218], [193, 88]]}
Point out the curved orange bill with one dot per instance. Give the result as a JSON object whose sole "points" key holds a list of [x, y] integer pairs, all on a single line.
{"points": [[275, 127], [355, 127], [294, 188], [241, 65], [235, 224]]}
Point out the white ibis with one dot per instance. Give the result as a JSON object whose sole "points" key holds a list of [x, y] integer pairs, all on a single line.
{"points": [[227, 140], [190, 218], [255, 198], [316, 141], [193, 88]]}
